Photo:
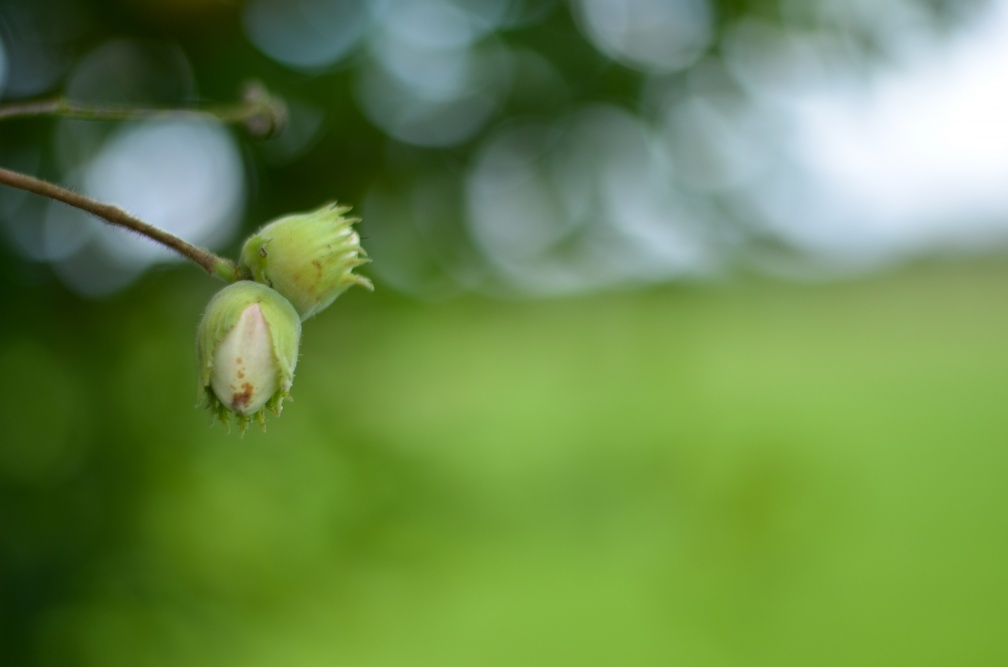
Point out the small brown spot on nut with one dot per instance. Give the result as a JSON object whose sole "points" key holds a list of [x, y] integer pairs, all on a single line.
{"points": [[240, 400]]}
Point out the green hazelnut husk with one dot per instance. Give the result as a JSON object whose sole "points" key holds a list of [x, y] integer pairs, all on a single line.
{"points": [[246, 348], [309, 258]]}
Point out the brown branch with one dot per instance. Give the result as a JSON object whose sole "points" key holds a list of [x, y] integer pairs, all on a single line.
{"points": [[211, 263]]}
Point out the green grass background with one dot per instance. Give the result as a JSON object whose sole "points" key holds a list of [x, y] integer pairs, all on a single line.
{"points": [[741, 473]]}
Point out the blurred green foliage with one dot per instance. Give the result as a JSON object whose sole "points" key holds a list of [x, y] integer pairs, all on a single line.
{"points": [[746, 474]]}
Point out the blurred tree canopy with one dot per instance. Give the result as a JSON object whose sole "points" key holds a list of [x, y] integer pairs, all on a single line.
{"points": [[490, 145]]}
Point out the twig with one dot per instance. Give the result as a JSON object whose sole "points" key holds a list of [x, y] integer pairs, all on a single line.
{"points": [[262, 114], [214, 265]]}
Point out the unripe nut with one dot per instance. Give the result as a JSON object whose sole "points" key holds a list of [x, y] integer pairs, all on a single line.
{"points": [[308, 257], [247, 348]]}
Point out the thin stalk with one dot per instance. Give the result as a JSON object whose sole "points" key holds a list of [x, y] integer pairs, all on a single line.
{"points": [[262, 114], [213, 264]]}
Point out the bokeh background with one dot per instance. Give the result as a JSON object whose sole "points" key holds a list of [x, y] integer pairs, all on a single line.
{"points": [[689, 344]]}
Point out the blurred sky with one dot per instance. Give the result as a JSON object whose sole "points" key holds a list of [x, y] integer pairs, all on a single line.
{"points": [[910, 158], [782, 130]]}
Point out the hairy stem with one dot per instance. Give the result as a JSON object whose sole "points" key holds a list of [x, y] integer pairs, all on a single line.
{"points": [[211, 263]]}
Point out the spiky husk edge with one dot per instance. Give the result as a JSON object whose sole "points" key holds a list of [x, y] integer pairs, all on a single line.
{"points": [[333, 228], [219, 412]]}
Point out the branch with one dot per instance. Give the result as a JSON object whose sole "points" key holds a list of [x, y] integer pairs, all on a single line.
{"points": [[211, 263], [262, 114]]}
